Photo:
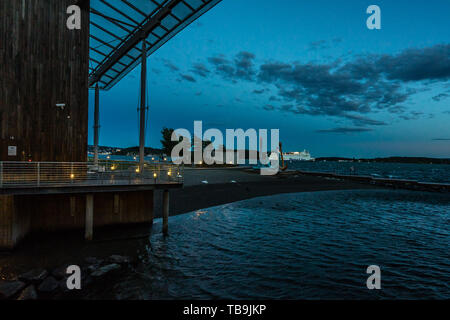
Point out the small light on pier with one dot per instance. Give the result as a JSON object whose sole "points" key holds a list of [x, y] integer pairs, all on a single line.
{"points": [[72, 176], [169, 173], [155, 175], [137, 170]]}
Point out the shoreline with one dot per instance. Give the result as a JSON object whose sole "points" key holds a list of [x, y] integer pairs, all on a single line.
{"points": [[202, 196]]}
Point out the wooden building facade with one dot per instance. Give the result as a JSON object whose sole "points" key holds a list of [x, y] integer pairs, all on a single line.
{"points": [[44, 70]]}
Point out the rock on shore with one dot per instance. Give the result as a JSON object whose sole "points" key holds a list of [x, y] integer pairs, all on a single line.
{"points": [[9, 289], [28, 294], [41, 283]]}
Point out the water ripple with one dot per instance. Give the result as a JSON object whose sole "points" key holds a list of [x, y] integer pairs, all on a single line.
{"points": [[303, 246]]}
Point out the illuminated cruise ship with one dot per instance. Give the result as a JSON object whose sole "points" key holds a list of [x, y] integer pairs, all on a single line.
{"points": [[299, 156]]}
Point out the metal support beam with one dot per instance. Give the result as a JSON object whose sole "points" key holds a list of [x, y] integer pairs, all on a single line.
{"points": [[89, 224], [135, 33], [143, 32], [165, 229], [96, 123], [143, 106]]}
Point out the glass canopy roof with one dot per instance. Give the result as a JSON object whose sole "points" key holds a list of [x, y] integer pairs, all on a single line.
{"points": [[118, 27]]}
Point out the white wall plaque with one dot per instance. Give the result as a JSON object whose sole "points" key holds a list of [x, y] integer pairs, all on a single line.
{"points": [[12, 151]]}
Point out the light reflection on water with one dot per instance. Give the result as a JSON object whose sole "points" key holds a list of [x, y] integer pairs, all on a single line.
{"points": [[300, 246]]}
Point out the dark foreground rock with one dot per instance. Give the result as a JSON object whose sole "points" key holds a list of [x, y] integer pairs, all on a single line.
{"points": [[52, 284], [103, 271], [49, 285], [60, 273], [9, 289], [28, 294], [34, 276], [119, 259], [93, 261]]}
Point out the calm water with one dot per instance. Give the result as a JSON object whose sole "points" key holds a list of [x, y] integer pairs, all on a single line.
{"points": [[300, 246], [421, 172]]}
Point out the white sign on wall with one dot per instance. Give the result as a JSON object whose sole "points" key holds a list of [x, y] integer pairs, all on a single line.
{"points": [[12, 151]]}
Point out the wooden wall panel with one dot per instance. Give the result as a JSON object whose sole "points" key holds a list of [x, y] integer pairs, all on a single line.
{"points": [[43, 63], [7, 211], [14, 224]]}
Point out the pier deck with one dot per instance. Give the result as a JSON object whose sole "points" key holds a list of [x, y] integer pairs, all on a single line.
{"points": [[40, 196]]}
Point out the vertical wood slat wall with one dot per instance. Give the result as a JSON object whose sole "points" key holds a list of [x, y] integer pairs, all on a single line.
{"points": [[43, 63], [7, 212]]}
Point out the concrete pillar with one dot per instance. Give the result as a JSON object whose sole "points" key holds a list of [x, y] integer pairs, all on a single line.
{"points": [[166, 212], [89, 217]]}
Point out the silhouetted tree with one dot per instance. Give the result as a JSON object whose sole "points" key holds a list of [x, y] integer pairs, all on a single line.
{"points": [[167, 143]]}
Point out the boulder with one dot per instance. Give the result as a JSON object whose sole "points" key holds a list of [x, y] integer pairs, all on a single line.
{"points": [[34, 276], [63, 286], [100, 272], [49, 285], [28, 294], [119, 259], [93, 260], [9, 289], [86, 281], [60, 273], [92, 268]]}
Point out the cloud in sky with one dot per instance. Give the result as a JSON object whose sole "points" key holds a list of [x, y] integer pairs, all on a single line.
{"points": [[187, 78], [260, 91], [432, 63], [344, 130], [200, 69], [441, 96], [274, 98], [318, 45], [350, 89], [269, 107], [170, 65], [240, 68], [362, 121], [413, 115], [324, 44]]}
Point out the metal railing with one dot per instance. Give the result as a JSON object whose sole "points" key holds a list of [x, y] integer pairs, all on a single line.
{"points": [[15, 174]]}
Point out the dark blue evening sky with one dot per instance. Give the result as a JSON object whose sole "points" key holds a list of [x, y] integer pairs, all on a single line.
{"points": [[310, 68]]}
